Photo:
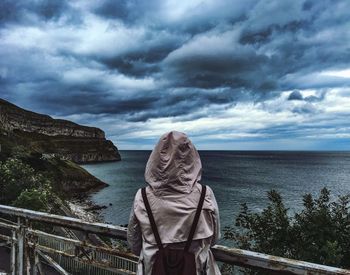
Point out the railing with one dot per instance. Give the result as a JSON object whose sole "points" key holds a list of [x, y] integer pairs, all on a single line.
{"points": [[30, 248]]}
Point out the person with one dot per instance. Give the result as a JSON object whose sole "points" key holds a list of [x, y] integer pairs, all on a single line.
{"points": [[173, 173]]}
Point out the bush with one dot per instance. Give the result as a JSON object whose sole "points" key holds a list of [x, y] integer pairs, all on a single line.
{"points": [[319, 233], [35, 199], [15, 177]]}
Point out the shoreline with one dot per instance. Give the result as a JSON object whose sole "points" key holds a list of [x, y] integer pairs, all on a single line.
{"points": [[86, 210]]}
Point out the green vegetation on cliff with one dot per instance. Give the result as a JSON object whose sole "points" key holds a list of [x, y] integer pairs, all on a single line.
{"points": [[53, 147], [22, 186], [67, 177]]}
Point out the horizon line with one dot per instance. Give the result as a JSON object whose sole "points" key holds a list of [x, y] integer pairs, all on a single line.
{"points": [[252, 150]]}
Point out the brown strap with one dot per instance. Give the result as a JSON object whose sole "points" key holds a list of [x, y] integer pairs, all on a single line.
{"points": [[194, 224], [196, 218], [151, 219]]}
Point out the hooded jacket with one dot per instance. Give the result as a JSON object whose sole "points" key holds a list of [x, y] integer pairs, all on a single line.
{"points": [[173, 173]]}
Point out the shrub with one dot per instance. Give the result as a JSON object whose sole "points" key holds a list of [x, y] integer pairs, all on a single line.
{"points": [[38, 199], [319, 233], [15, 177]]}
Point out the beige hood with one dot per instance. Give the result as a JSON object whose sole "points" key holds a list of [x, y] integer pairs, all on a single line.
{"points": [[174, 165]]}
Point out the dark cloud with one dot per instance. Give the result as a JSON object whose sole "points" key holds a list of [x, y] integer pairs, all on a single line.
{"points": [[22, 11], [94, 99], [236, 68], [113, 9], [143, 62], [191, 18], [140, 60], [295, 95], [129, 11], [305, 109], [314, 98]]}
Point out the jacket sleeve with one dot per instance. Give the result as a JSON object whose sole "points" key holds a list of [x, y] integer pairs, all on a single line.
{"points": [[134, 234], [216, 219]]}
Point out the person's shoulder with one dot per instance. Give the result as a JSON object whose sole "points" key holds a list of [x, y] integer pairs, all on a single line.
{"points": [[139, 192], [138, 196], [209, 194], [210, 201], [209, 191]]}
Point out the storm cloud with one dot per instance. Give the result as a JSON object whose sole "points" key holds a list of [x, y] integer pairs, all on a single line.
{"points": [[137, 68]]}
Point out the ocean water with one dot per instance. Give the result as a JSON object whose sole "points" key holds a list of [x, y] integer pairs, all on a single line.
{"points": [[235, 176]]}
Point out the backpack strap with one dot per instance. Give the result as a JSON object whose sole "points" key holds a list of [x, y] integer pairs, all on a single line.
{"points": [[151, 219], [196, 219], [194, 224]]}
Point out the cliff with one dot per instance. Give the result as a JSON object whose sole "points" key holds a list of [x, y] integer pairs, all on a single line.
{"points": [[56, 137], [12, 117], [68, 178]]}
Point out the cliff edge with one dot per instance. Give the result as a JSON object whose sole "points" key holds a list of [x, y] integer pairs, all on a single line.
{"points": [[56, 137]]}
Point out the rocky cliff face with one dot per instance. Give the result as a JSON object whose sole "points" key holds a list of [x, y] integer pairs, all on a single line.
{"points": [[13, 117], [56, 137]]}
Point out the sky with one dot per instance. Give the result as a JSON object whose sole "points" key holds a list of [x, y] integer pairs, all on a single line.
{"points": [[233, 75]]}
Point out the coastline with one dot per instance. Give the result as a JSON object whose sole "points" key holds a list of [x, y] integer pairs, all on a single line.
{"points": [[85, 209]]}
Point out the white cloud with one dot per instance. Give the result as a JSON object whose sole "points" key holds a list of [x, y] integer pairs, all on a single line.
{"points": [[256, 122], [112, 81], [204, 44], [339, 73]]}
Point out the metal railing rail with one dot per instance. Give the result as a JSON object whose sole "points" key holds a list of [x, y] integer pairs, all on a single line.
{"points": [[223, 254]]}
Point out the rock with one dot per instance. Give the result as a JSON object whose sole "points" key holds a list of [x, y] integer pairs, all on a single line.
{"points": [[95, 208], [56, 137]]}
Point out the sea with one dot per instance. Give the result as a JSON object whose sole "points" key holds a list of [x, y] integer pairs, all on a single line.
{"points": [[236, 177]]}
